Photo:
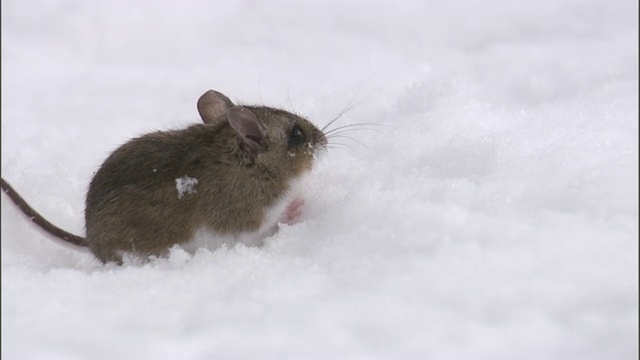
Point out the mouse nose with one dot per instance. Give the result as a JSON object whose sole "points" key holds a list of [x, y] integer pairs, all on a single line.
{"points": [[321, 140]]}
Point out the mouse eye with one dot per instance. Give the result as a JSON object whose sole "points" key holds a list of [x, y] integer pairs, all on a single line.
{"points": [[297, 136]]}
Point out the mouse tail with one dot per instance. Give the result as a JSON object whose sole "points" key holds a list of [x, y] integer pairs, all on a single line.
{"points": [[39, 220]]}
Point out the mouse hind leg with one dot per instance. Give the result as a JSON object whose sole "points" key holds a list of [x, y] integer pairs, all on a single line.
{"points": [[108, 256]]}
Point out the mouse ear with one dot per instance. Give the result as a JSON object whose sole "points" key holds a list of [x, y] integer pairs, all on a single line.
{"points": [[247, 125], [212, 106]]}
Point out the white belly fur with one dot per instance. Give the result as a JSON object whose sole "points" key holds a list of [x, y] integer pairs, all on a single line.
{"points": [[205, 238]]}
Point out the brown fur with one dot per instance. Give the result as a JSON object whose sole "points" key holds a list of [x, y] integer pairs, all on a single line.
{"points": [[133, 206]]}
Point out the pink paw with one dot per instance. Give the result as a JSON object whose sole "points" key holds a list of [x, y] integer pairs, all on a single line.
{"points": [[293, 211]]}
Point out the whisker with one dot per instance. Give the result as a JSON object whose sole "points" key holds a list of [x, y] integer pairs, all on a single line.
{"points": [[339, 146], [349, 138], [347, 131], [340, 132], [355, 125], [336, 118], [349, 106]]}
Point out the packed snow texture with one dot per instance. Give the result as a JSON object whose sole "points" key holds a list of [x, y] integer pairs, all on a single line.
{"points": [[490, 213], [186, 185]]}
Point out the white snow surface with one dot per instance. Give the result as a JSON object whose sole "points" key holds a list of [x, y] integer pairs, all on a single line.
{"points": [[492, 213]]}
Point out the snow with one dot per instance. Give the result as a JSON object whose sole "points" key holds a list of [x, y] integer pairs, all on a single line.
{"points": [[491, 212], [186, 185]]}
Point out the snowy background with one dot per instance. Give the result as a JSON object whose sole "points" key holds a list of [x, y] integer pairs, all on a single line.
{"points": [[494, 215]]}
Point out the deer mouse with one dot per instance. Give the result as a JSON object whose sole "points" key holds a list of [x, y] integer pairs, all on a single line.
{"points": [[231, 175]]}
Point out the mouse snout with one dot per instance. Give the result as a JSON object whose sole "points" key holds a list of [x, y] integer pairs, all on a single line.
{"points": [[321, 139]]}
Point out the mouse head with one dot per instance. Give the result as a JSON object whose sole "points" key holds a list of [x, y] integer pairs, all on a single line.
{"points": [[276, 139]]}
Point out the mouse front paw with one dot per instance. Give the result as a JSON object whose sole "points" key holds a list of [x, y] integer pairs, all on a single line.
{"points": [[293, 211]]}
